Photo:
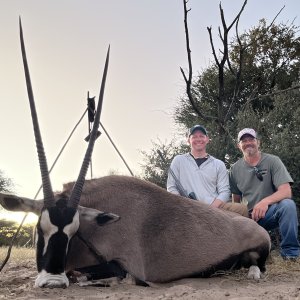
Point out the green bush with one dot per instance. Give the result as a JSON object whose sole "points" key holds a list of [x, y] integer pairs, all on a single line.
{"points": [[8, 229]]}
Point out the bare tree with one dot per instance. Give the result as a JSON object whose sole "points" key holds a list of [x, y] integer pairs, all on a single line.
{"points": [[225, 102]]}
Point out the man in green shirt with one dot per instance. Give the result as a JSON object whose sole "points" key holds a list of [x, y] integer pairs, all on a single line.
{"points": [[262, 181]]}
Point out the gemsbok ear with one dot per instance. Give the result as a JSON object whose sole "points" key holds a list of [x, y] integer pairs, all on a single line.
{"points": [[106, 218], [99, 217], [15, 203]]}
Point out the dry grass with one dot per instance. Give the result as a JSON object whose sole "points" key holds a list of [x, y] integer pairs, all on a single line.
{"points": [[277, 266], [17, 254]]}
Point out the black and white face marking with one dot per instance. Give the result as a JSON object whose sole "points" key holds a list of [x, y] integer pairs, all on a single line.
{"points": [[55, 228]]}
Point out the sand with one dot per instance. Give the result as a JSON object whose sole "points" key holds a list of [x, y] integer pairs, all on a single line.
{"points": [[281, 281]]}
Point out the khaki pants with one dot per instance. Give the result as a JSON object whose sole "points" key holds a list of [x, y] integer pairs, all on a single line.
{"points": [[238, 208]]}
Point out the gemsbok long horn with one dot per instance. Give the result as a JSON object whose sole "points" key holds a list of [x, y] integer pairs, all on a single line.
{"points": [[47, 188], [78, 186]]}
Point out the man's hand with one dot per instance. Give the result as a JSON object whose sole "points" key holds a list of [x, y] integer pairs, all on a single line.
{"points": [[259, 211], [217, 203]]}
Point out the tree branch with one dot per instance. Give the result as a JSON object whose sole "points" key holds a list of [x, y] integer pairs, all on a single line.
{"points": [[212, 46], [242, 51], [279, 92], [188, 80]]}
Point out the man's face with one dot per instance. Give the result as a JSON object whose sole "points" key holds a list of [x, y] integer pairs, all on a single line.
{"points": [[248, 145], [198, 141]]}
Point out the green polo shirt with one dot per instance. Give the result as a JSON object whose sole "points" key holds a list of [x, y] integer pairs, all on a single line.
{"points": [[244, 182]]}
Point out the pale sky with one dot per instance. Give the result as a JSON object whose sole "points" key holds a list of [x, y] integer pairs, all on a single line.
{"points": [[66, 43]]}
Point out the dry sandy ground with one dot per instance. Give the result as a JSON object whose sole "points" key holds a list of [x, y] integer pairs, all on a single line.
{"points": [[281, 281]]}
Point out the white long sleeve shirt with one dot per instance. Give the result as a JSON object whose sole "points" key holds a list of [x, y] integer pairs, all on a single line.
{"points": [[209, 181]]}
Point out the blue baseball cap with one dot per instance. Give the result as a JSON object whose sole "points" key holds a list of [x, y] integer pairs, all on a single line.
{"points": [[197, 127]]}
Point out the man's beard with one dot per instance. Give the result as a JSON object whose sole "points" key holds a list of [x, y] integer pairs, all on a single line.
{"points": [[250, 151]]}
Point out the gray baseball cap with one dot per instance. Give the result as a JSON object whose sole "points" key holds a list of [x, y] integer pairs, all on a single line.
{"points": [[248, 131]]}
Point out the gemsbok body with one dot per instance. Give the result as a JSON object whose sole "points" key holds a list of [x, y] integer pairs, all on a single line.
{"points": [[153, 235]]}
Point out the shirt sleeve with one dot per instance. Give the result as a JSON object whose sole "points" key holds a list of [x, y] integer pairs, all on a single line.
{"points": [[171, 183], [223, 188], [279, 172]]}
